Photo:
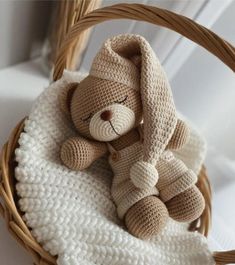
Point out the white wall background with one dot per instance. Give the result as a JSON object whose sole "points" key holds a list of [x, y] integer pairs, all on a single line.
{"points": [[23, 26]]}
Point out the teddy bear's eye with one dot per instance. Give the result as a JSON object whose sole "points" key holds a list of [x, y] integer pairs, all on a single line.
{"points": [[121, 101], [87, 118]]}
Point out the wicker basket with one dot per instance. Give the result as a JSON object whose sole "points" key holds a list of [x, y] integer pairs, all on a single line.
{"points": [[66, 14], [188, 28]]}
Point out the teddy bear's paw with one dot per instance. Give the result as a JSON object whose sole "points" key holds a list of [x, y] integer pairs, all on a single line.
{"points": [[186, 206], [69, 154], [147, 217]]}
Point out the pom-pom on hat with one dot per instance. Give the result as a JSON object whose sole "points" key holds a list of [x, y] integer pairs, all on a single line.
{"points": [[130, 60]]}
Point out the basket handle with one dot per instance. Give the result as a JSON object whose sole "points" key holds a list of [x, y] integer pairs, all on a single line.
{"points": [[181, 24]]}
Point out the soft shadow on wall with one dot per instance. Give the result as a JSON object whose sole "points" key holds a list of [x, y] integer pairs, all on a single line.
{"points": [[23, 27]]}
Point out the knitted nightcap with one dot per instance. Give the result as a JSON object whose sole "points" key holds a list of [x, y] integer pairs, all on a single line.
{"points": [[118, 61]]}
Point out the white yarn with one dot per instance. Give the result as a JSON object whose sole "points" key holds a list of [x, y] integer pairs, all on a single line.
{"points": [[71, 213]]}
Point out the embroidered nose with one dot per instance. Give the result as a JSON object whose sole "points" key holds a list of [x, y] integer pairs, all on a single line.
{"points": [[106, 115]]}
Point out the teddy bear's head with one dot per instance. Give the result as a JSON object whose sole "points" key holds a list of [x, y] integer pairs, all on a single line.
{"points": [[102, 110], [126, 84]]}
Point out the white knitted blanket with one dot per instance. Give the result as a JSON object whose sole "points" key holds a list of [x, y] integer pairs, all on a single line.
{"points": [[71, 213]]}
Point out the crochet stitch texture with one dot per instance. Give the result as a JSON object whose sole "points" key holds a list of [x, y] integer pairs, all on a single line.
{"points": [[71, 213]]}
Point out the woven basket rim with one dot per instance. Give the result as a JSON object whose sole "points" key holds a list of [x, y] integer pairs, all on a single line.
{"points": [[185, 26]]}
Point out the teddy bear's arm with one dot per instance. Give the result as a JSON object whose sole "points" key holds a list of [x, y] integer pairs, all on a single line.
{"points": [[78, 153], [180, 135]]}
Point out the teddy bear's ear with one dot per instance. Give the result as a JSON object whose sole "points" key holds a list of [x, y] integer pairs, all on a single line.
{"points": [[65, 97]]}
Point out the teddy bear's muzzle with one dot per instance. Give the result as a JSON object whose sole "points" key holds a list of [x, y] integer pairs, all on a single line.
{"points": [[111, 122]]}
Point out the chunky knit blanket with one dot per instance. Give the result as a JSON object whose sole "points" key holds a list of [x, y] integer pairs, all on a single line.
{"points": [[71, 213]]}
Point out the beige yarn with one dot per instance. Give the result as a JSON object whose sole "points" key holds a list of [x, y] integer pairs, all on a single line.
{"points": [[77, 153], [180, 136], [147, 217], [175, 176], [67, 93], [158, 107], [138, 173], [123, 191], [187, 206], [95, 92]]}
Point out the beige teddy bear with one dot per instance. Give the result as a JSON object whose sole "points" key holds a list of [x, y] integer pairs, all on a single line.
{"points": [[125, 107]]}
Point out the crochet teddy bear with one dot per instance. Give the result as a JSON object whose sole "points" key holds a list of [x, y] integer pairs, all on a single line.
{"points": [[125, 108]]}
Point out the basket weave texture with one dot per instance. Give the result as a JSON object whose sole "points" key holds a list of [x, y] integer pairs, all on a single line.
{"points": [[188, 28], [68, 13]]}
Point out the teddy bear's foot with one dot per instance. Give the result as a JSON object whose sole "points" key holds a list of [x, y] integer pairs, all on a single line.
{"points": [[147, 217], [187, 206]]}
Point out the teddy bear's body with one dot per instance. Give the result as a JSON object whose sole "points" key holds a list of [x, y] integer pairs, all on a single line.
{"points": [[124, 192], [107, 109], [172, 173]]}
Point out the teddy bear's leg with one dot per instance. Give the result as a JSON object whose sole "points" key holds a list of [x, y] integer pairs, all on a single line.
{"points": [[147, 217], [187, 206], [176, 185]]}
